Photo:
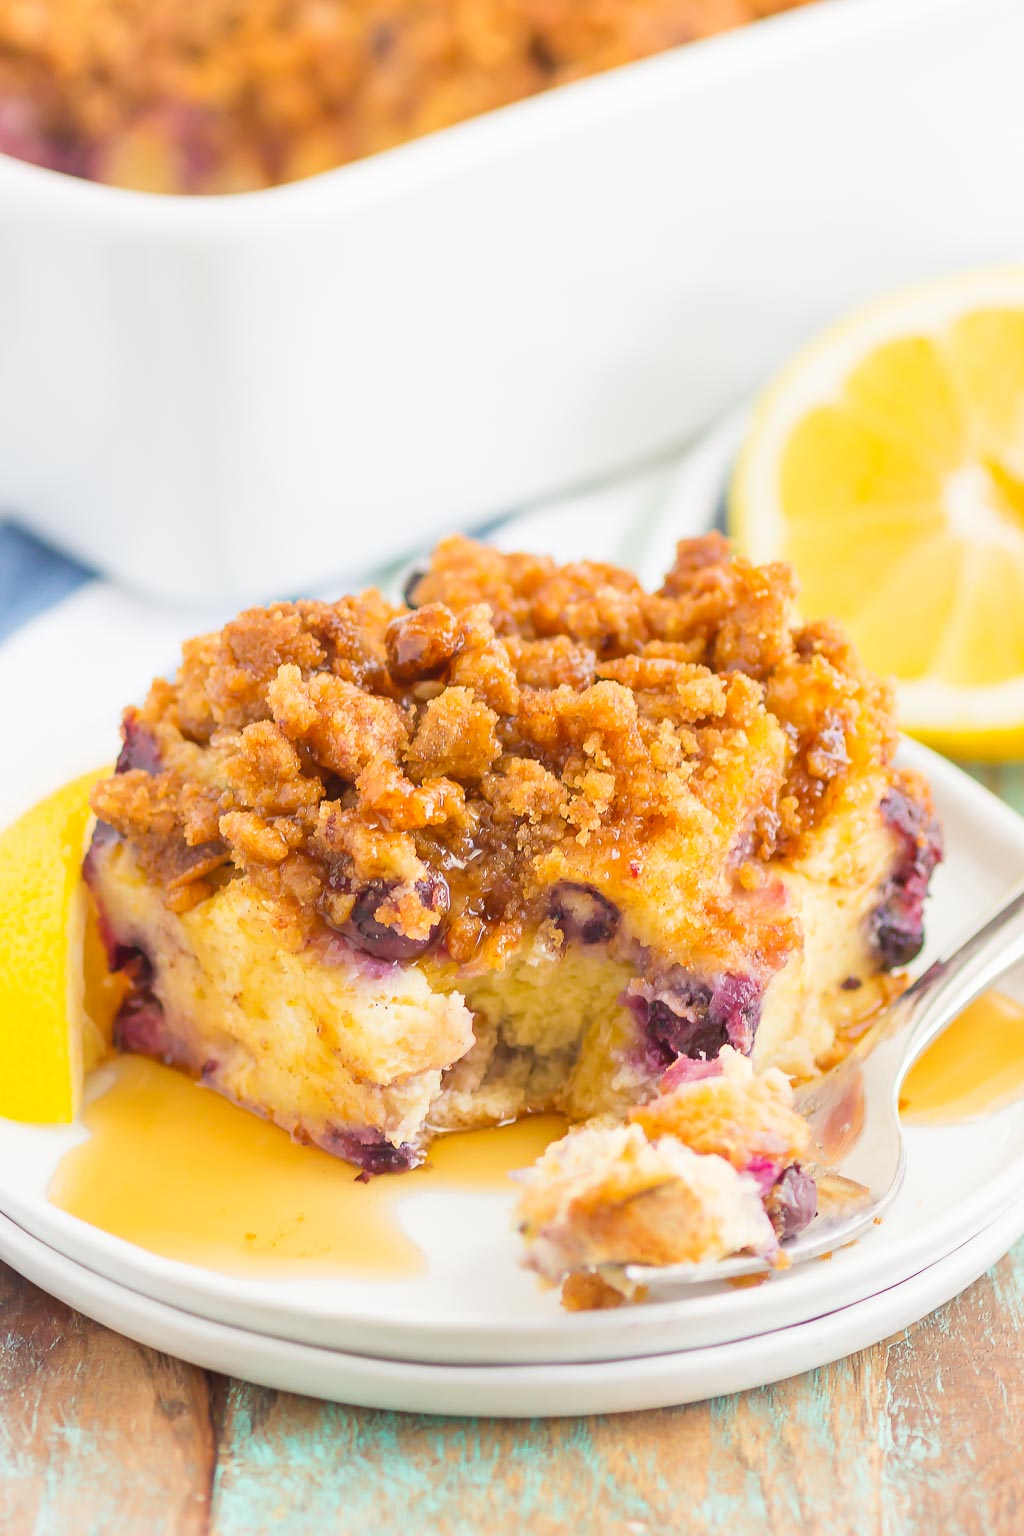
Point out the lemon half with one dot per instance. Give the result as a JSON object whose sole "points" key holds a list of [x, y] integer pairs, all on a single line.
{"points": [[49, 1037], [887, 463]]}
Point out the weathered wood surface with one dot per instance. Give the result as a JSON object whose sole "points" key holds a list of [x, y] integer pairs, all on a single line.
{"points": [[919, 1436]]}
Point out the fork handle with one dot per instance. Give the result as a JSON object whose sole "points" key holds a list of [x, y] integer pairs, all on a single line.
{"points": [[944, 990]]}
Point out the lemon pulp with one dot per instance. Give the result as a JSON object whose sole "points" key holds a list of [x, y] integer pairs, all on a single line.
{"points": [[47, 936], [887, 464]]}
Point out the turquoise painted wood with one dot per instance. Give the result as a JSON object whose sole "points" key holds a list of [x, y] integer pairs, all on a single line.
{"points": [[919, 1436]]}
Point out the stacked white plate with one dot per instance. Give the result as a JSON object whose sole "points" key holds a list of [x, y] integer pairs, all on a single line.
{"points": [[473, 1333]]}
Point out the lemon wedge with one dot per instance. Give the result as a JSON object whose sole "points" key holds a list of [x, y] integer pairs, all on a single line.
{"points": [[48, 1037], [887, 463]]}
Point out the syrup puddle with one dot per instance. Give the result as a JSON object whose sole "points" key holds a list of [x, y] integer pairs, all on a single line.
{"points": [[975, 1068], [178, 1170]]}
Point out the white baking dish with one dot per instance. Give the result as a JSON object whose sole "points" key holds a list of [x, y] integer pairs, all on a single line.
{"points": [[242, 395]]}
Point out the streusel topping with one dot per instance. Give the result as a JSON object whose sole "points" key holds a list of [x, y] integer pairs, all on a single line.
{"points": [[429, 774], [228, 95]]}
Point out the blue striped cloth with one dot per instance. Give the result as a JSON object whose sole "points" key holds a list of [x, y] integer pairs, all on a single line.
{"points": [[32, 577], [614, 519]]}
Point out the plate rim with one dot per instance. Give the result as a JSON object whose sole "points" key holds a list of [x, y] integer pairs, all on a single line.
{"points": [[438, 1337], [384, 1380]]}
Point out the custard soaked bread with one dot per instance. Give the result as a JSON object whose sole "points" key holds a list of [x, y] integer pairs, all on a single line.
{"points": [[708, 1168], [379, 871]]}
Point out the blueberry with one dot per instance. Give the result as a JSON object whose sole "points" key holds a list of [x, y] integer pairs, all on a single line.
{"points": [[582, 913], [792, 1203], [140, 1025], [736, 1001], [104, 836], [368, 1150], [696, 1018], [896, 926], [386, 943], [690, 1033], [140, 749]]}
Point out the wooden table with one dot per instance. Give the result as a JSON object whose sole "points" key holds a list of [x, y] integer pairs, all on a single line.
{"points": [[921, 1434]]}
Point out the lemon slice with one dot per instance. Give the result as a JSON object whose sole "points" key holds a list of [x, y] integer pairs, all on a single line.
{"points": [[887, 463], [48, 1039]]}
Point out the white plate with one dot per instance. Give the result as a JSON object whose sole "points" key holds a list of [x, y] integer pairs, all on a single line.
{"points": [[514, 1391], [473, 1303]]}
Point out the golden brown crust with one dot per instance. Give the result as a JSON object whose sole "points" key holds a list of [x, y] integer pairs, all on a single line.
{"points": [[739, 1116], [528, 723], [223, 96], [648, 1226], [585, 1291]]}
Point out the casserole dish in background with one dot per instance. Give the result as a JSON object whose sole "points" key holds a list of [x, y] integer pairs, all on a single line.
{"points": [[238, 396]]}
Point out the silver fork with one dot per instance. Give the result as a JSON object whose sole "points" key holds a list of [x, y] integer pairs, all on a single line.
{"points": [[853, 1110]]}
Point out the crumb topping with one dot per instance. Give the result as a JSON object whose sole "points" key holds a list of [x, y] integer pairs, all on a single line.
{"points": [[433, 772], [225, 96]]}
